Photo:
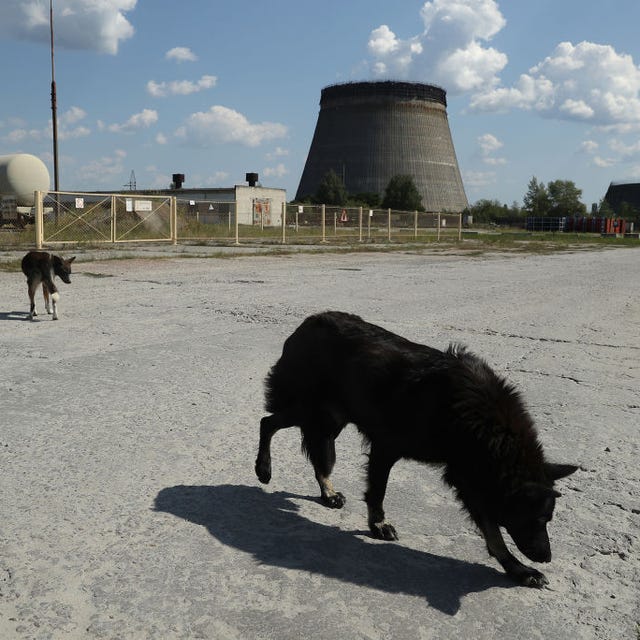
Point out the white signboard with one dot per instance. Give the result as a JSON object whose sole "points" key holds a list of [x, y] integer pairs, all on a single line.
{"points": [[143, 205]]}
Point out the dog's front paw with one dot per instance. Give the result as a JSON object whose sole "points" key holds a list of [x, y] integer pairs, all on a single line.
{"points": [[263, 470], [333, 500], [383, 530]]}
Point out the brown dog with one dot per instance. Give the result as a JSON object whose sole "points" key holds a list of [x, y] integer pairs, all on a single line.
{"points": [[41, 267]]}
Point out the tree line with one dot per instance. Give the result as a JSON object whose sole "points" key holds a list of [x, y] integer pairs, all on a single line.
{"points": [[400, 193], [558, 198]]}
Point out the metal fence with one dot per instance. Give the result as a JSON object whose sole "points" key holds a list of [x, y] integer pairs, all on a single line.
{"points": [[311, 224], [71, 217]]}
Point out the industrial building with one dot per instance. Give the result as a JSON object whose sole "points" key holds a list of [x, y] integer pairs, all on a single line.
{"points": [[624, 197], [369, 132], [253, 203]]}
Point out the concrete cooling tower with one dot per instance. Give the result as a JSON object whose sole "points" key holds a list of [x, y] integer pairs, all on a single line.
{"points": [[369, 132]]}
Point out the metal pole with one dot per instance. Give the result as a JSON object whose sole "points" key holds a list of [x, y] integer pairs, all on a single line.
{"points": [[54, 105], [54, 119], [360, 224], [284, 223], [236, 223], [39, 218]]}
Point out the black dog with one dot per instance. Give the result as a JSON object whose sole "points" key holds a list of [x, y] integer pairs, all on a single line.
{"points": [[411, 401], [40, 267]]}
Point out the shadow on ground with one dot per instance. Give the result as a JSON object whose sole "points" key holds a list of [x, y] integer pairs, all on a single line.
{"points": [[267, 526]]}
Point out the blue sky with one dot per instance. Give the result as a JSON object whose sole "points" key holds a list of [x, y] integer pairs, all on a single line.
{"points": [[215, 89]]}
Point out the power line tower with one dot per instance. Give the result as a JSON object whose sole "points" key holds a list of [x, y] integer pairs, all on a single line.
{"points": [[131, 185]]}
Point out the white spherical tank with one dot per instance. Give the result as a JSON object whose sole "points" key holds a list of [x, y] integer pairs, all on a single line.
{"points": [[20, 175]]}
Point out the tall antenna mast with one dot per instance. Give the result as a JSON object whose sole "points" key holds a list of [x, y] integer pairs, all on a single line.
{"points": [[54, 106]]}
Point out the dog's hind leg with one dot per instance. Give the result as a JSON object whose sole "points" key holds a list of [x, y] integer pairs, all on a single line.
{"points": [[32, 284], [521, 573], [269, 425], [318, 442], [48, 287], [380, 463]]}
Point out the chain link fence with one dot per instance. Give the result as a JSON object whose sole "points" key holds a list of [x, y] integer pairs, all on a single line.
{"points": [[73, 217]]}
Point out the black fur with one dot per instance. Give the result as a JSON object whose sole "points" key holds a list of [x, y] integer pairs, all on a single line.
{"points": [[41, 267], [412, 401]]}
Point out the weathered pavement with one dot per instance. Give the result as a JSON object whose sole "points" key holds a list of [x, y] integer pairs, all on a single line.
{"points": [[128, 432]]}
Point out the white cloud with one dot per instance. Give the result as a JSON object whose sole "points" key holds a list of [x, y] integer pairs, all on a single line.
{"points": [[223, 125], [278, 171], [449, 51], [68, 128], [489, 144], [103, 170], [161, 138], [477, 179], [625, 150], [603, 163], [180, 87], [142, 120], [22, 134], [586, 82], [181, 54], [219, 177], [278, 152], [72, 116], [589, 146], [97, 25]]}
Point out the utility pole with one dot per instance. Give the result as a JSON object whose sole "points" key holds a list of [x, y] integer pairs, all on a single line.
{"points": [[54, 106]]}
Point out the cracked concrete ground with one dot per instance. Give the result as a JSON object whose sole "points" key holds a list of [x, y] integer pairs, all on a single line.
{"points": [[129, 428]]}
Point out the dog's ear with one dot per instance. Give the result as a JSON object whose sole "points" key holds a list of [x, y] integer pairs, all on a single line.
{"points": [[70, 260], [557, 471]]}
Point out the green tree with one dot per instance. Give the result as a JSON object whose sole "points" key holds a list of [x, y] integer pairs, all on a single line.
{"points": [[536, 201], [402, 194], [565, 199], [368, 199], [605, 209], [331, 190]]}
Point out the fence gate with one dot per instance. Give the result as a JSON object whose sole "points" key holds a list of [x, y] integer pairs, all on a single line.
{"points": [[94, 218]]}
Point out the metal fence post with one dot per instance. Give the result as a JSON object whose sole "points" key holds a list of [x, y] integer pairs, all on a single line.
{"points": [[237, 229], [459, 227], [360, 224], [284, 223], [389, 225], [415, 225], [114, 209], [438, 226], [39, 218], [323, 214], [173, 212]]}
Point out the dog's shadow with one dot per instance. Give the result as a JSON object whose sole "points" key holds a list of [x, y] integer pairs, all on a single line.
{"points": [[267, 526], [14, 315]]}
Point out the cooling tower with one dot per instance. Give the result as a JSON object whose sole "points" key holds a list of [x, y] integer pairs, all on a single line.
{"points": [[369, 132]]}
